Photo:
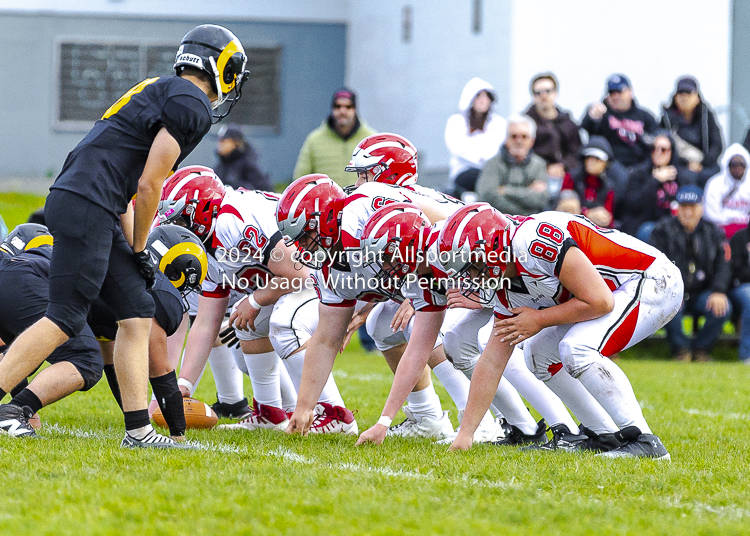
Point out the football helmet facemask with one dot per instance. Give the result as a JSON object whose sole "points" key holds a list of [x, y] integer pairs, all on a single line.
{"points": [[216, 51], [192, 197], [391, 158], [180, 256], [25, 237], [309, 214]]}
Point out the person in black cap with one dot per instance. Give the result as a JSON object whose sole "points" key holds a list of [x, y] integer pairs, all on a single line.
{"points": [[237, 161], [698, 248], [621, 121], [695, 129], [328, 148]]}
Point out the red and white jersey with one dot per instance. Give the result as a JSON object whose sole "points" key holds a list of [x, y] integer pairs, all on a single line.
{"points": [[540, 243], [428, 292], [246, 233]]}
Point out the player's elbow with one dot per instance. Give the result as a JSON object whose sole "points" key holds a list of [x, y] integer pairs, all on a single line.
{"points": [[604, 304]]}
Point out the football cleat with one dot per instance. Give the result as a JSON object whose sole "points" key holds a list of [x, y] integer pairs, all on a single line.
{"points": [[332, 419], [515, 437], [562, 439], [489, 429], [14, 421], [599, 442], [415, 426], [637, 445], [152, 440], [238, 410], [262, 417]]}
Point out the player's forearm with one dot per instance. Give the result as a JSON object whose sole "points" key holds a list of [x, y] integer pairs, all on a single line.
{"points": [[200, 341], [317, 367], [484, 382], [270, 294], [145, 209]]}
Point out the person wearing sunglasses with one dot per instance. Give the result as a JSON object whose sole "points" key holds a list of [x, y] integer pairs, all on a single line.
{"points": [[515, 180], [557, 138], [620, 119], [695, 129]]}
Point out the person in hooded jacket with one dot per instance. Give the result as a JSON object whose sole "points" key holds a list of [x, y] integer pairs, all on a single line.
{"points": [[592, 182], [696, 130], [473, 135], [237, 161], [652, 187], [727, 195]]}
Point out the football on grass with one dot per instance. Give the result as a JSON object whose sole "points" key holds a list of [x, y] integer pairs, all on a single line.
{"points": [[197, 415]]}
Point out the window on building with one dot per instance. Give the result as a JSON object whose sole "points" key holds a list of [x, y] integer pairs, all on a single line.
{"points": [[93, 75]]}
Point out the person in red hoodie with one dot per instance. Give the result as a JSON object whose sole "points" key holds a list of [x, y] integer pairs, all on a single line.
{"points": [[592, 182]]}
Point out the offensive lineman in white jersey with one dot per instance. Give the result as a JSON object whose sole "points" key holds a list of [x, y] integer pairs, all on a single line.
{"points": [[241, 233], [609, 292]]}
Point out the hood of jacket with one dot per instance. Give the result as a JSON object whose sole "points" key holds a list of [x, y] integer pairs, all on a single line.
{"points": [[471, 90], [598, 142], [732, 151]]}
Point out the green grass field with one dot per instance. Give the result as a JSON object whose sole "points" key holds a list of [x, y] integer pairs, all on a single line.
{"points": [[16, 207], [77, 480]]}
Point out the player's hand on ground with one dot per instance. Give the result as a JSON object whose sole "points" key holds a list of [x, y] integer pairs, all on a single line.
{"points": [[375, 434], [518, 328], [458, 300], [462, 442], [300, 422], [244, 315], [228, 336], [402, 316], [146, 266]]}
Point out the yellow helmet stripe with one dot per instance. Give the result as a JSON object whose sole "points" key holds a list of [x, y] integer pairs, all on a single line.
{"points": [[181, 249], [231, 49], [38, 241]]}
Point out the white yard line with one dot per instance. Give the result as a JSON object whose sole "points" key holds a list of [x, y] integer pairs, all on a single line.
{"points": [[713, 414], [373, 377]]}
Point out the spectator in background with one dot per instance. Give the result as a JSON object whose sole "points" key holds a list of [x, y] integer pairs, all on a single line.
{"points": [[515, 180], [473, 135], [237, 163], [624, 124], [740, 288], [728, 193], [695, 130], [652, 187], [569, 202], [591, 181], [328, 148], [696, 246], [557, 139]]}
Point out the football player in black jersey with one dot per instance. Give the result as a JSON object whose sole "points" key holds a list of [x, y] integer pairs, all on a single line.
{"points": [[128, 153]]}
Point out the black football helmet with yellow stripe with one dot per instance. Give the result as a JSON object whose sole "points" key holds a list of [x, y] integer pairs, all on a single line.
{"points": [[216, 51], [25, 237], [180, 255]]}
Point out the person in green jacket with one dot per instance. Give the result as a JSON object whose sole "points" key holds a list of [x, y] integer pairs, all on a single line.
{"points": [[515, 180], [328, 148]]}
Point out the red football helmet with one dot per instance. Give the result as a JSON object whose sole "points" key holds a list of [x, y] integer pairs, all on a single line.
{"points": [[391, 158], [192, 196], [393, 243], [475, 237], [311, 204]]}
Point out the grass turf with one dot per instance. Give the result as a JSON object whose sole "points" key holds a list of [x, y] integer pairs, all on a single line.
{"points": [[77, 478], [16, 207]]}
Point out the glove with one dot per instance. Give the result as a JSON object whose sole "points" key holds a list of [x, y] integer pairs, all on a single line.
{"points": [[147, 267], [229, 337]]}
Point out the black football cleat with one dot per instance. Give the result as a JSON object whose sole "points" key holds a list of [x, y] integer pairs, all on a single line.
{"points": [[238, 410], [637, 445], [14, 421], [599, 442], [562, 439], [515, 437]]}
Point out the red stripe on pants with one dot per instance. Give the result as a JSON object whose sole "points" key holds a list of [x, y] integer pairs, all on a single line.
{"points": [[622, 335]]}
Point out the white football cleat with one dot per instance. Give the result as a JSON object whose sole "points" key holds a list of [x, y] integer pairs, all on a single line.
{"points": [[262, 417], [489, 429], [332, 419], [416, 426]]}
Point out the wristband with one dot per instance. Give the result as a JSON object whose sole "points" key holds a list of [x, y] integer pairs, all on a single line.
{"points": [[182, 382], [385, 421], [251, 300]]}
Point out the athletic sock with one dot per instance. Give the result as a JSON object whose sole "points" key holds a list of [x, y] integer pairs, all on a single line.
{"points": [[27, 398], [227, 376], [425, 403], [109, 372], [609, 385], [264, 377], [455, 382], [330, 393], [23, 384], [137, 423], [541, 398], [288, 391], [169, 398], [581, 403]]}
